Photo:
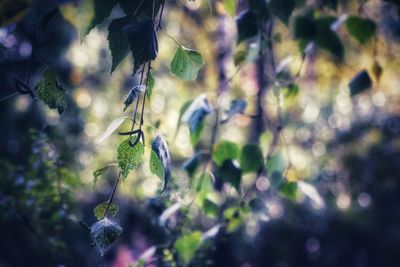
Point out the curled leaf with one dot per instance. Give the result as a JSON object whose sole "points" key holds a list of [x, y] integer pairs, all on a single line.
{"points": [[196, 112], [133, 94], [237, 106], [104, 234], [168, 213], [160, 149]]}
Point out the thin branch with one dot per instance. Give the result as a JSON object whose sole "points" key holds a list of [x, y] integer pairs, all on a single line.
{"points": [[110, 200]]}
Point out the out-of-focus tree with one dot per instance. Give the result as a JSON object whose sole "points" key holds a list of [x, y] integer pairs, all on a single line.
{"points": [[236, 133]]}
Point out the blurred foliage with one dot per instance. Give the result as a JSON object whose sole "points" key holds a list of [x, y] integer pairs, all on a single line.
{"points": [[274, 131]]}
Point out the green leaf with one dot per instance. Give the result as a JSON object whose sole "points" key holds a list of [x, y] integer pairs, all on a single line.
{"points": [[143, 42], [210, 208], [196, 133], [111, 128], [186, 63], [191, 164], [225, 150], [156, 166], [304, 28], [150, 85], [118, 41], [50, 92], [361, 29], [230, 7], [251, 158], [187, 245], [360, 83], [246, 23], [101, 208], [230, 172], [328, 39], [162, 167], [282, 9], [234, 219], [98, 173], [102, 9], [133, 94], [240, 57], [104, 234], [129, 158], [289, 190]]}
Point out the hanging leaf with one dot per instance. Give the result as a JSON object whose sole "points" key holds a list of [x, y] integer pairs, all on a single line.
{"points": [[104, 234], [282, 9], [251, 158], [191, 164], [328, 39], [111, 128], [133, 94], [186, 63], [101, 208], [143, 42], [225, 150], [231, 173], [151, 84], [187, 245], [237, 106], [289, 190], [160, 162], [361, 29], [118, 41], [377, 70], [102, 9], [98, 173], [50, 92], [129, 158], [246, 23], [239, 57], [360, 83], [196, 112], [230, 7], [304, 28]]}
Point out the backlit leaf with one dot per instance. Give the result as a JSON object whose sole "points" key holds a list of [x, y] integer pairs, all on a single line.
{"points": [[186, 63], [223, 151], [129, 158], [50, 92], [251, 158], [361, 29], [187, 245], [150, 85], [101, 208]]}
